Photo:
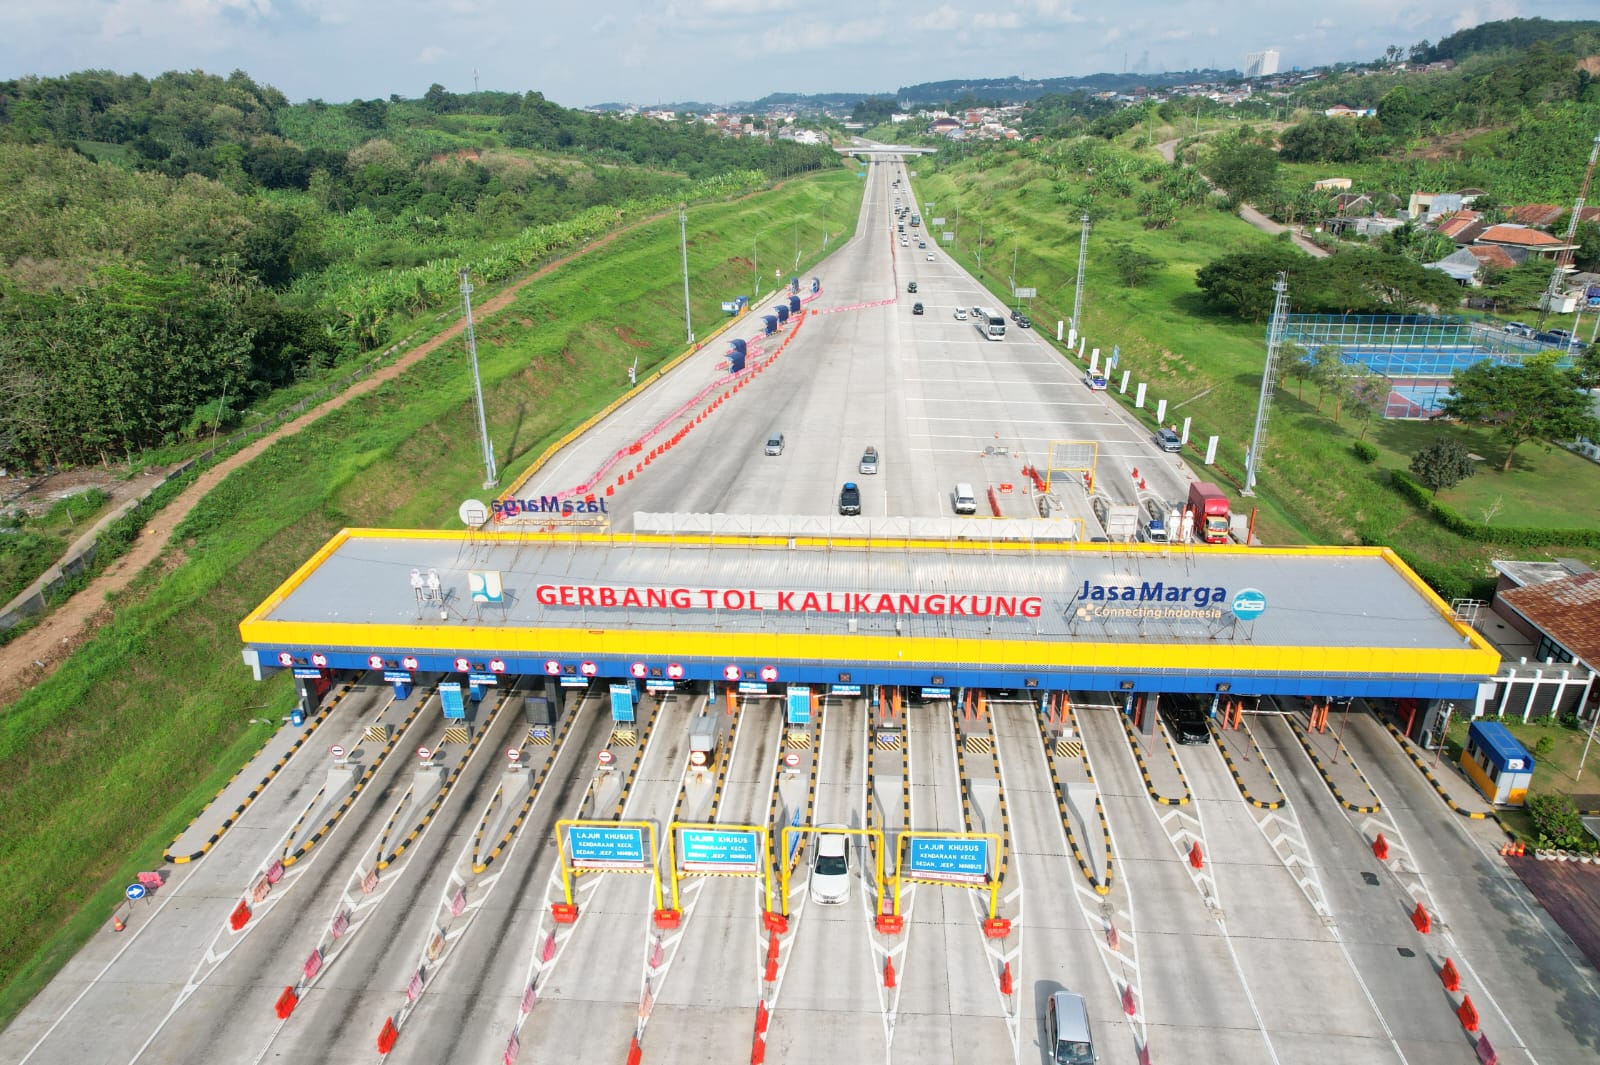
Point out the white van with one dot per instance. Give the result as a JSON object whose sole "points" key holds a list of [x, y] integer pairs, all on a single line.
{"points": [[774, 443], [1066, 1030], [964, 500]]}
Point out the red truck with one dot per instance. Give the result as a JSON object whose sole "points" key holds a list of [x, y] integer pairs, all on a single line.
{"points": [[1210, 510]]}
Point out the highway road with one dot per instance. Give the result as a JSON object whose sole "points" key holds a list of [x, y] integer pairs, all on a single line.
{"points": [[1289, 944], [941, 403]]}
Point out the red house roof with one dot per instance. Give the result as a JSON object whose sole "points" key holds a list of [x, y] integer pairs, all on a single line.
{"points": [[1520, 235]]}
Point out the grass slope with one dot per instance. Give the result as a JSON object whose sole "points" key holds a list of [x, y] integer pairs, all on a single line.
{"points": [[111, 756], [1311, 487]]}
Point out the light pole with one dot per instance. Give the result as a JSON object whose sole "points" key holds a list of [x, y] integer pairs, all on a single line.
{"points": [[683, 245], [1083, 253], [490, 476], [755, 265]]}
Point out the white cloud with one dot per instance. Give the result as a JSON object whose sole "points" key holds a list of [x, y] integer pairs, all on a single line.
{"points": [[432, 54]]}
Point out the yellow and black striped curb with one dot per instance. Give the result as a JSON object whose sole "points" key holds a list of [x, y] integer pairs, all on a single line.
{"points": [[1144, 770], [457, 734], [444, 790], [638, 759], [1373, 808], [355, 792], [724, 765], [977, 744], [1238, 780], [1069, 748], [378, 734], [1473, 815], [244, 804], [1066, 816], [527, 803], [538, 737], [983, 745], [905, 783], [887, 740], [797, 741], [624, 737]]}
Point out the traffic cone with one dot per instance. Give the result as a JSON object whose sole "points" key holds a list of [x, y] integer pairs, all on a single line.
{"points": [[1005, 980], [117, 923], [888, 972]]}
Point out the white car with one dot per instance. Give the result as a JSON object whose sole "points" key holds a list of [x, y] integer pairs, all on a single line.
{"points": [[930, 256], [961, 314], [1095, 381], [830, 867], [904, 243]]}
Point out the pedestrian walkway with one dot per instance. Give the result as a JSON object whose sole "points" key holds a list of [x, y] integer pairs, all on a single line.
{"points": [[1158, 763], [1248, 765], [1447, 779], [1333, 761]]}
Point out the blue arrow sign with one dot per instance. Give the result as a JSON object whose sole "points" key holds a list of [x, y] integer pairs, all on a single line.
{"points": [[135, 892], [958, 861], [592, 847], [720, 851]]}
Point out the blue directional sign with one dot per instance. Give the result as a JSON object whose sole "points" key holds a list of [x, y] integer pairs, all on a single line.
{"points": [[936, 693], [573, 681], [594, 847], [396, 676], [752, 687], [135, 892], [844, 689], [957, 861], [450, 699], [799, 704], [622, 702], [307, 673], [719, 850]]}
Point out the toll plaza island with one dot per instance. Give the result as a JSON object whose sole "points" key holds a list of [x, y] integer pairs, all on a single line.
{"points": [[839, 763], [849, 618]]}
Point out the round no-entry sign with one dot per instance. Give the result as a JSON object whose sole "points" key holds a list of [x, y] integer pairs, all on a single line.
{"points": [[424, 753], [514, 754], [791, 760], [337, 752], [605, 757]]}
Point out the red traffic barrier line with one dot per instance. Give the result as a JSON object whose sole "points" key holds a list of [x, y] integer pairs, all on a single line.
{"points": [[1380, 848], [1006, 985], [387, 1036], [1449, 977], [888, 972], [286, 1003], [1421, 919], [1468, 1013], [239, 917], [635, 1052], [762, 1017], [1196, 857], [1128, 1005]]}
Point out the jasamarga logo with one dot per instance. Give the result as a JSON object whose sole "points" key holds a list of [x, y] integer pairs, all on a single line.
{"points": [[566, 508], [1196, 595]]}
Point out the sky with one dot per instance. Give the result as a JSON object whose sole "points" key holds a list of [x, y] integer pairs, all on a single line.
{"points": [[714, 51]]}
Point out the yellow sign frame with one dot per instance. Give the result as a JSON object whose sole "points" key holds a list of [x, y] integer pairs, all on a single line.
{"points": [[672, 855], [994, 881], [789, 831], [569, 871]]}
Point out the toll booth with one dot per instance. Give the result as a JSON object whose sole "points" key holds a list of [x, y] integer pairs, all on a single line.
{"points": [[794, 284], [771, 323], [816, 284], [450, 700], [1497, 763], [705, 732], [794, 304], [624, 699], [541, 717], [782, 311], [734, 306]]}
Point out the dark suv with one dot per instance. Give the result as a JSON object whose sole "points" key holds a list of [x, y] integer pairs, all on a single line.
{"points": [[1186, 717], [849, 499]]}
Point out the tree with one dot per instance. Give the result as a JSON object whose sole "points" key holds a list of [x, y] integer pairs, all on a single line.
{"points": [[1243, 165], [1517, 288], [1327, 370], [1534, 401], [1369, 396], [1297, 364], [1133, 266], [1240, 283], [1443, 464]]}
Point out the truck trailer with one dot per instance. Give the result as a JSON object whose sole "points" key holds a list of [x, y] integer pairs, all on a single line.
{"points": [[1208, 508]]}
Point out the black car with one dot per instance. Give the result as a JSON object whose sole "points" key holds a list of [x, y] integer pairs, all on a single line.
{"points": [[1024, 322], [849, 499], [1016, 315], [911, 286], [1185, 717], [916, 308]]}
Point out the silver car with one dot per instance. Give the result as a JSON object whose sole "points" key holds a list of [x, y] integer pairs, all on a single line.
{"points": [[961, 314]]}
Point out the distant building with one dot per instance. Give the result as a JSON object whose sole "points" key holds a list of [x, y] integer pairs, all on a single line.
{"points": [[1261, 64], [1340, 183], [1534, 242]]}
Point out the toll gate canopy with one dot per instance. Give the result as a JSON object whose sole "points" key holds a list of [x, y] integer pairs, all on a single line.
{"points": [[1333, 622]]}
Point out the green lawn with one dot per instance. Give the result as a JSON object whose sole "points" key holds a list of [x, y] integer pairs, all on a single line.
{"points": [[106, 760], [35, 544], [1311, 487]]}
